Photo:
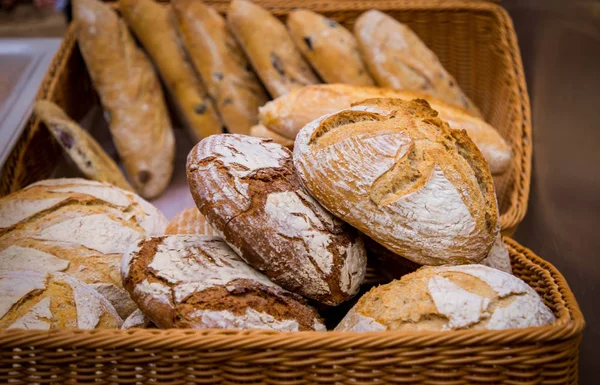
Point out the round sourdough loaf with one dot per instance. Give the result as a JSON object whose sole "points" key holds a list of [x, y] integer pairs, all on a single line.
{"points": [[79, 227], [36, 300], [190, 221], [449, 298], [194, 281], [248, 190], [403, 178]]}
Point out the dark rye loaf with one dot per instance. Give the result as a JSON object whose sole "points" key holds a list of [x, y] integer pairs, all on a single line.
{"points": [[195, 281], [248, 190]]}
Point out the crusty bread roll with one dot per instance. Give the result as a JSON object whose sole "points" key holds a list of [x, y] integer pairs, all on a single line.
{"points": [[190, 221], [403, 178], [449, 298], [44, 301], [397, 58], [137, 319], [330, 48], [77, 226], [248, 190], [286, 115], [268, 45], [156, 28], [261, 131], [81, 147], [193, 281], [131, 96], [221, 63]]}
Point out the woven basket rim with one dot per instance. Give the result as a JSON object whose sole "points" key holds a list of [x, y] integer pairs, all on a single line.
{"points": [[569, 324]]}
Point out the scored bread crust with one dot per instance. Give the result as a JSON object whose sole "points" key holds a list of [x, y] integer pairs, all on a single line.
{"points": [[131, 96], [330, 48], [397, 58], [287, 114], [192, 281], [79, 227], [269, 47], [248, 190], [190, 221], [449, 298], [221, 63], [404, 179], [156, 28]]}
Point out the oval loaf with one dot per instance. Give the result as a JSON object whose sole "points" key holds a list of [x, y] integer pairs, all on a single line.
{"points": [[404, 179], [79, 227], [44, 301], [449, 298], [192, 281], [248, 190], [397, 58]]}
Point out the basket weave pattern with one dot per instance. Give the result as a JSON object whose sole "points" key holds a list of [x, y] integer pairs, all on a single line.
{"points": [[542, 355], [476, 42]]}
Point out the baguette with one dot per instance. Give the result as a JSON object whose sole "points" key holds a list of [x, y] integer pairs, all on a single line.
{"points": [[156, 28]]}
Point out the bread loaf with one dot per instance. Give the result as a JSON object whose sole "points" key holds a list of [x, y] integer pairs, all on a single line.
{"points": [[190, 221], [156, 28], [449, 298], [287, 114], [397, 58], [81, 147], [35, 300], [79, 227], [403, 178], [137, 319], [225, 70], [271, 51], [248, 190], [261, 131], [192, 281], [131, 96], [329, 47]]}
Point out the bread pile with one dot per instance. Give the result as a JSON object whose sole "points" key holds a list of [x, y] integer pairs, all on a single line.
{"points": [[400, 176]]}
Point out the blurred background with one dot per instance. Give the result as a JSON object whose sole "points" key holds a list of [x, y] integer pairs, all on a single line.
{"points": [[560, 45]]}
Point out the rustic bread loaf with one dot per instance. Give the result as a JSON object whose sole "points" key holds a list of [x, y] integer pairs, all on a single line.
{"points": [[449, 298], [81, 147], [268, 45], [190, 221], [248, 190], [79, 227], [193, 281], [156, 27], [225, 70], [36, 300], [330, 48], [131, 96], [403, 178], [137, 319], [287, 114], [261, 131]]}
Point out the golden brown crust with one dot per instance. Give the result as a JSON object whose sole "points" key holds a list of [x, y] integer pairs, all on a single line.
{"points": [[156, 27], [330, 48], [397, 58], [190, 221], [131, 96], [266, 42], [404, 178], [81, 147], [221, 63], [261, 131]]}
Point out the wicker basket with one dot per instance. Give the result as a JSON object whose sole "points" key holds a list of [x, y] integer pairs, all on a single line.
{"points": [[542, 355], [475, 41]]}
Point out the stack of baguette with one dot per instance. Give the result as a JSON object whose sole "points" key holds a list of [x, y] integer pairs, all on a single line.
{"points": [[398, 176]]}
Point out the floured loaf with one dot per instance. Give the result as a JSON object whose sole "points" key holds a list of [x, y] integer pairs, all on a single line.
{"points": [[44, 301], [190, 221], [403, 178], [192, 281], [79, 227], [248, 190], [449, 298]]}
